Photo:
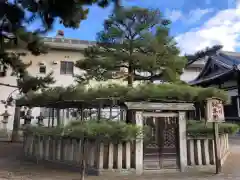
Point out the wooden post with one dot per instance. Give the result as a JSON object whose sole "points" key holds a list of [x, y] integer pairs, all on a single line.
{"points": [[139, 145], [53, 114], [58, 117], [216, 149], [84, 158], [215, 114], [16, 125], [82, 114], [99, 112], [182, 141], [49, 116]]}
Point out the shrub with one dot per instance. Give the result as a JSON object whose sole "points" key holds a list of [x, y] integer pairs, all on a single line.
{"points": [[118, 131], [103, 130], [144, 92], [200, 128]]}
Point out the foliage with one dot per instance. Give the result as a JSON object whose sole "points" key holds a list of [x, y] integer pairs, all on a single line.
{"points": [[30, 83], [134, 40], [69, 12], [103, 130], [203, 53], [118, 131], [144, 92], [200, 128], [16, 15]]}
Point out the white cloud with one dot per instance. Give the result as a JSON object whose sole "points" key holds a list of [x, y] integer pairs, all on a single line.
{"points": [[173, 15], [223, 28], [191, 17], [196, 14]]}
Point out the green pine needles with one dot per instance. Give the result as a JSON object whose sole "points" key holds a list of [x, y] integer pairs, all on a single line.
{"points": [[144, 92], [92, 130]]}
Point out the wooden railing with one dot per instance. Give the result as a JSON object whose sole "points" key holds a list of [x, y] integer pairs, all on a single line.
{"points": [[200, 151], [109, 157], [101, 157]]}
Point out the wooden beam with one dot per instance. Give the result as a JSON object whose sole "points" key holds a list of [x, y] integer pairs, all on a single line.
{"points": [[160, 106], [154, 114]]}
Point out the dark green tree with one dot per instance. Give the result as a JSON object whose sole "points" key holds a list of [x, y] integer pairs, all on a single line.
{"points": [[134, 40]]}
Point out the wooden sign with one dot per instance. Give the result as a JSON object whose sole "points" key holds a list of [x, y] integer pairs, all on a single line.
{"points": [[214, 110]]}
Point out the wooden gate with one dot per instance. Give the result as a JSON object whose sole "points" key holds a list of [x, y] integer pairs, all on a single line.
{"points": [[161, 148]]}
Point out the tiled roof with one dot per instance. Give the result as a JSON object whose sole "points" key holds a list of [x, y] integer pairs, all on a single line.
{"points": [[224, 63]]}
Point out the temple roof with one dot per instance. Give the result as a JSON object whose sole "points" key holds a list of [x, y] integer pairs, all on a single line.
{"points": [[220, 66]]}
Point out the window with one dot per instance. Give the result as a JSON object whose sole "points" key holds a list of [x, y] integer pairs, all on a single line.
{"points": [[66, 67], [42, 69]]}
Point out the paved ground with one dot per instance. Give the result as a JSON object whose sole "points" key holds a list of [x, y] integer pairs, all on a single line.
{"points": [[13, 167]]}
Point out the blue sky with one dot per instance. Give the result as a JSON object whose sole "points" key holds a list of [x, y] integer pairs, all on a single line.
{"points": [[195, 23]]}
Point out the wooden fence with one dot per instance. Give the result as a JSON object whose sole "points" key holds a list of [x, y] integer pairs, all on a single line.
{"points": [[200, 151], [109, 157], [100, 156]]}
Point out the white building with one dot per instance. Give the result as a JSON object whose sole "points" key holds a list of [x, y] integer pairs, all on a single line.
{"points": [[60, 60]]}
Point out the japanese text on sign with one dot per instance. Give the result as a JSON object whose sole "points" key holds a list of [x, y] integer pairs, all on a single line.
{"points": [[215, 111]]}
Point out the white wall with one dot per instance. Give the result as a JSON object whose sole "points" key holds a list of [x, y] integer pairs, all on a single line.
{"points": [[189, 75], [61, 80]]}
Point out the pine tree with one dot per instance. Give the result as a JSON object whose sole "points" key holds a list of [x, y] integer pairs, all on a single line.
{"points": [[134, 40]]}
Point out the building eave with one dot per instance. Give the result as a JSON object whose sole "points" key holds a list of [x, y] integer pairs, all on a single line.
{"points": [[212, 78], [67, 44]]}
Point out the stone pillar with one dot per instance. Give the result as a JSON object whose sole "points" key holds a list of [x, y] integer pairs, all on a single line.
{"points": [[139, 146], [182, 141]]}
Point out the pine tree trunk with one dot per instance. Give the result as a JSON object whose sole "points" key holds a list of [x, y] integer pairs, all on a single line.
{"points": [[130, 77], [130, 113], [84, 154], [16, 125]]}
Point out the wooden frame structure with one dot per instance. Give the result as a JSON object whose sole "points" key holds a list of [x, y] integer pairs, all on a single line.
{"points": [[143, 109], [148, 109]]}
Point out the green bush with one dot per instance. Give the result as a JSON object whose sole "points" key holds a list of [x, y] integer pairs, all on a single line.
{"points": [[200, 128], [104, 130], [144, 92], [118, 131]]}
